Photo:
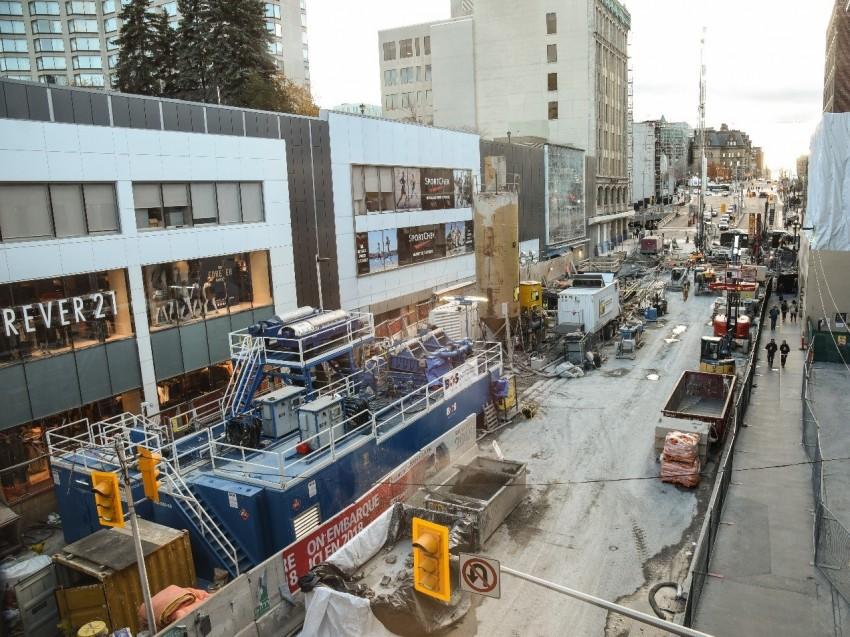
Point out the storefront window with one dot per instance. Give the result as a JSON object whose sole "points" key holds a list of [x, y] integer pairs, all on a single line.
{"points": [[193, 290], [54, 316]]}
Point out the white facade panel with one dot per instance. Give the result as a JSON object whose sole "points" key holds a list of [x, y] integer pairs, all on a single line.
{"points": [[453, 78], [359, 140]]}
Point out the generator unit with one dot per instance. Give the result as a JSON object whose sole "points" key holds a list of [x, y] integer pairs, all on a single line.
{"points": [[317, 418], [279, 410]]}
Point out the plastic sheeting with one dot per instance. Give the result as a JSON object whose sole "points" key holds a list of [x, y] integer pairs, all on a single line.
{"points": [[363, 546], [334, 614], [828, 209]]}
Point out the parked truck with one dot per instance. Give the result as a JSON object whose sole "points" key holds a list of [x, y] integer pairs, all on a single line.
{"points": [[650, 245]]}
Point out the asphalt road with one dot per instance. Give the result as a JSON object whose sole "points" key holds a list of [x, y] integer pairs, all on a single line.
{"points": [[597, 518]]}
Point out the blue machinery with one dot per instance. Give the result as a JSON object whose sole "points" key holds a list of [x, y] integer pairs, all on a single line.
{"points": [[283, 456]]}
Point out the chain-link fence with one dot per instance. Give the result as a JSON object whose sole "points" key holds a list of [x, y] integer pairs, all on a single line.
{"points": [[698, 571], [831, 539]]}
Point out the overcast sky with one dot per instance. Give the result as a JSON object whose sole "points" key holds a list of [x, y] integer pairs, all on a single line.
{"points": [[764, 60]]}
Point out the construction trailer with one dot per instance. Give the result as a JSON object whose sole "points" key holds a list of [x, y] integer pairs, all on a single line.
{"points": [[591, 305]]}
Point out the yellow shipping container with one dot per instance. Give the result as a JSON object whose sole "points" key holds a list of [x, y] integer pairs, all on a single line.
{"points": [[98, 578]]}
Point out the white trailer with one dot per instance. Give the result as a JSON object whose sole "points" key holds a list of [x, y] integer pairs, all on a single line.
{"points": [[590, 304]]}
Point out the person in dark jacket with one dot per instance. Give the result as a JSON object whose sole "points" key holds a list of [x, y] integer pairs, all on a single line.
{"points": [[771, 352], [774, 314], [783, 353], [793, 309], [784, 308]]}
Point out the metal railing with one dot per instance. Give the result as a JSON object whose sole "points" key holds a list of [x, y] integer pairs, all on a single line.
{"points": [[308, 350], [830, 538], [699, 568]]}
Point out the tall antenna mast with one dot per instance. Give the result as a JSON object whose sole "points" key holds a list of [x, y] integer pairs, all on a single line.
{"points": [[700, 242]]}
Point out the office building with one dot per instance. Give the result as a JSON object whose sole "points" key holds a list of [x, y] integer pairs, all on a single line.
{"points": [[836, 77], [136, 233], [729, 154], [75, 42], [534, 71], [659, 159]]}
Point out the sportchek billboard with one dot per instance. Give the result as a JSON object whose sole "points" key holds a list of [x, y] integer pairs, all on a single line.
{"points": [[313, 549]]}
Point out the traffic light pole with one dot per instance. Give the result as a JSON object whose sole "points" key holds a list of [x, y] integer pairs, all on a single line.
{"points": [[643, 618], [137, 539]]}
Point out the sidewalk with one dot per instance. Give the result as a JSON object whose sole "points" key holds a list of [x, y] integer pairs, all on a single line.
{"points": [[762, 579]]}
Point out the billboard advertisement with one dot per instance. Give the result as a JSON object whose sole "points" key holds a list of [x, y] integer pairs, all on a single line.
{"points": [[459, 238], [383, 250], [362, 252], [437, 189], [407, 188], [420, 243], [462, 185]]}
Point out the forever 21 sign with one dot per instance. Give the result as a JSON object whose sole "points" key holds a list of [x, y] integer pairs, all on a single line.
{"points": [[59, 313]]}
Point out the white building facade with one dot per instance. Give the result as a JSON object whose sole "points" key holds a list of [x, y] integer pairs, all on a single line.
{"points": [[537, 70], [75, 42]]}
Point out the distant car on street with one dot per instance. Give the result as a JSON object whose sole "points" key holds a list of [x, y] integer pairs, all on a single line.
{"points": [[723, 225]]}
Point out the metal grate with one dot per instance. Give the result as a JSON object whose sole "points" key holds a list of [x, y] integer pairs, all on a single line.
{"points": [[307, 522]]}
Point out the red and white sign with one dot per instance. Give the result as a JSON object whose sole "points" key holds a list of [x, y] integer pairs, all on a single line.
{"points": [[480, 575], [313, 549]]}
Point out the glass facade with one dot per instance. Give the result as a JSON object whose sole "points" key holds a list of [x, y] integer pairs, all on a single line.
{"points": [[178, 205], [183, 292], [48, 317], [566, 195]]}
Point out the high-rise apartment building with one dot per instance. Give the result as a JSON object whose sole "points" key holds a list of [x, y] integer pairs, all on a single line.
{"points": [[836, 78], [75, 42], [552, 72]]}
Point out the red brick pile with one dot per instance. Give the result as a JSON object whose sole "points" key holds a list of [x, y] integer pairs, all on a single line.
{"points": [[680, 459]]}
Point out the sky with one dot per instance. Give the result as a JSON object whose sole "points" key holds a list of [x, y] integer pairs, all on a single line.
{"points": [[764, 61]]}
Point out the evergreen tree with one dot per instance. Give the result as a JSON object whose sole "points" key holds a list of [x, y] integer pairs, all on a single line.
{"points": [[164, 56], [241, 55], [136, 71], [193, 52]]}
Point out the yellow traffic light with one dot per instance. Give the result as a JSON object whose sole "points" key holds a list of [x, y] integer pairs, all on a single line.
{"points": [[431, 559], [107, 498], [148, 461]]}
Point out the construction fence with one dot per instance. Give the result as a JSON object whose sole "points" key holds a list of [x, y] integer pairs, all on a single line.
{"points": [[699, 568], [830, 538]]}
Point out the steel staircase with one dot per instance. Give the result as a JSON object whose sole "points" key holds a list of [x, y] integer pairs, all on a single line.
{"points": [[246, 378], [233, 559]]}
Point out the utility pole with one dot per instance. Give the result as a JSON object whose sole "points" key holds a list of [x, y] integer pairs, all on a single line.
{"points": [[700, 243], [137, 539]]}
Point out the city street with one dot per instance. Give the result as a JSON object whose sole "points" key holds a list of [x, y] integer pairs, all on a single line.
{"points": [[597, 519]]}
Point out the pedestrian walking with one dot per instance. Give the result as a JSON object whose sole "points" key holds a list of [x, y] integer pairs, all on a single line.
{"points": [[771, 352], [794, 311], [774, 314], [784, 308], [686, 287], [783, 353]]}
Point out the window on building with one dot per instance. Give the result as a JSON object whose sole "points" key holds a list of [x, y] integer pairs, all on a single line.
{"points": [[89, 79], [87, 62], [372, 188], [14, 64], [551, 52], [416, 43], [426, 41], [389, 50], [428, 99], [108, 6], [272, 10], [553, 110], [427, 72], [276, 47], [11, 8], [38, 211], [84, 26], [12, 26], [112, 44], [178, 205], [390, 77], [50, 63], [193, 290], [405, 74], [49, 44], [44, 8], [85, 44], [551, 23], [274, 28], [552, 81], [81, 8], [14, 46], [405, 48], [54, 316], [59, 80]]}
